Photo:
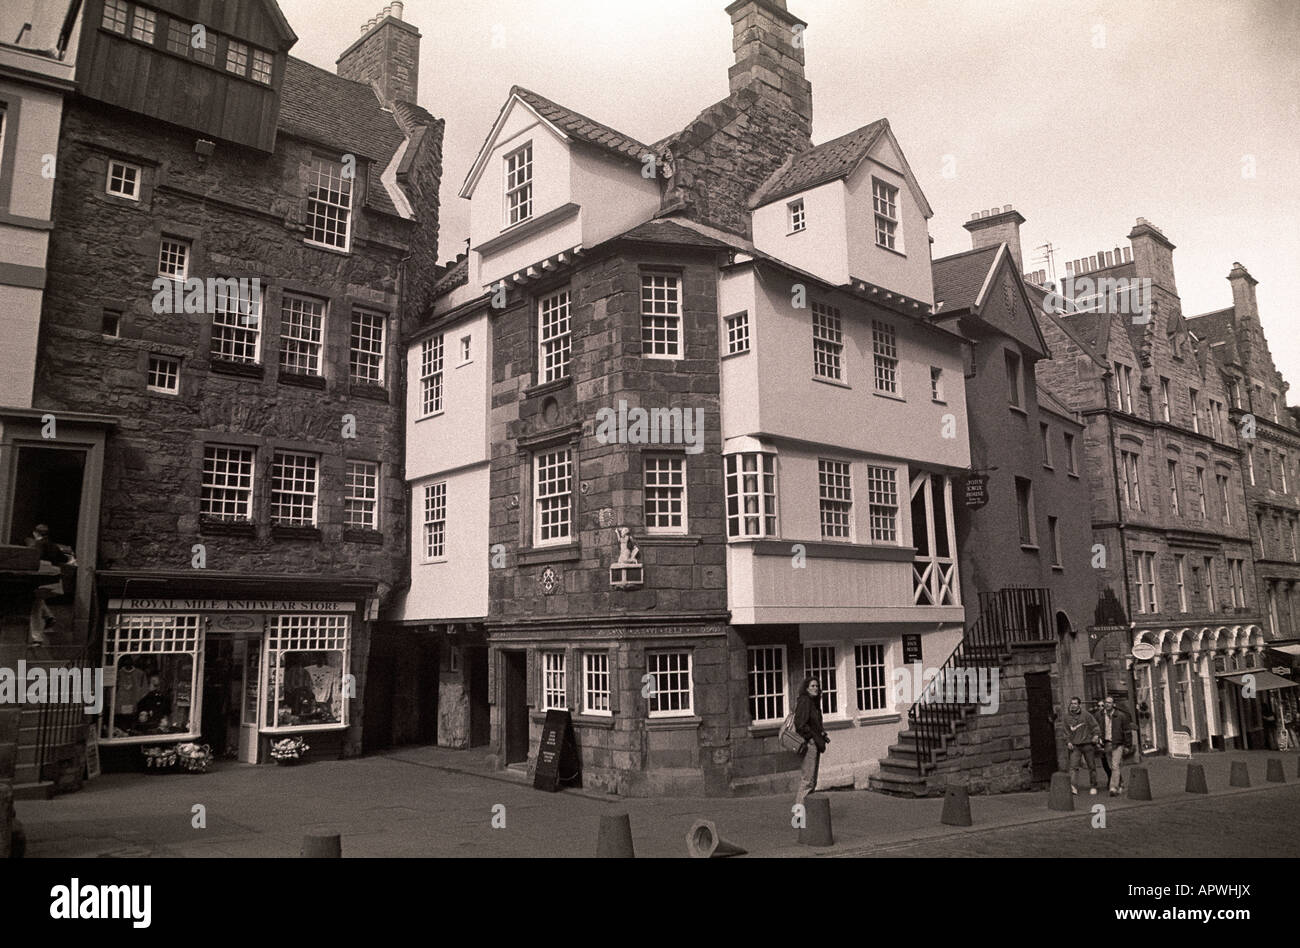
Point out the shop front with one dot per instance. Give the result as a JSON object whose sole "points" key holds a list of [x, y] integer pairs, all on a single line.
{"points": [[235, 674]]}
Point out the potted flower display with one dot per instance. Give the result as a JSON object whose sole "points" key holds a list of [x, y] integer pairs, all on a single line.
{"points": [[289, 751], [194, 758]]}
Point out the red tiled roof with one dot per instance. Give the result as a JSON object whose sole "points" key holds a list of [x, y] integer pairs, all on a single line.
{"points": [[822, 163]]}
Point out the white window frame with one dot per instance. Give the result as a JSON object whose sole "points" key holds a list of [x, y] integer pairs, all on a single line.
{"points": [[662, 327], [830, 677], [656, 494], [884, 202], [303, 321], [236, 328], [361, 495], [330, 196], [935, 578], [936, 385], [144, 25], [1224, 500], [886, 678], [764, 515], [237, 56], [1200, 492], [1209, 582], [835, 499], [657, 693], [596, 675], [433, 532], [885, 375], [554, 671], [229, 486], [1180, 580], [180, 251], [117, 17], [1175, 505], [290, 633], [759, 681], [373, 326], [554, 336], [737, 326], [884, 525], [565, 497], [431, 378], [517, 171], [153, 634], [173, 374], [1164, 399], [828, 343], [1148, 582], [289, 483], [1194, 403], [261, 66], [798, 216], [122, 167], [1130, 469]]}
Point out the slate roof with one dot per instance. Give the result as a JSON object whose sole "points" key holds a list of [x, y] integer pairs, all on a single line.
{"points": [[826, 162], [456, 274], [1213, 327], [959, 277], [1053, 402], [1092, 328], [665, 231], [584, 129]]}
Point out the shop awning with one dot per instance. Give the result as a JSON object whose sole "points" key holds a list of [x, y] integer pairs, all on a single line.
{"points": [[1264, 680]]}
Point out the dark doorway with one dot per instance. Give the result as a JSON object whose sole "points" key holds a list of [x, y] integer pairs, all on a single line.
{"points": [[480, 711], [516, 705], [401, 690], [222, 682], [47, 489], [1062, 625], [1042, 731]]}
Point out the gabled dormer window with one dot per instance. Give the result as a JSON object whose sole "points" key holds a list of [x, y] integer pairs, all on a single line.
{"points": [[885, 199], [798, 216], [519, 185], [262, 66], [329, 205]]}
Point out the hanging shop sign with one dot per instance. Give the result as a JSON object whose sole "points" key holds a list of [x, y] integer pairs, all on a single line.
{"points": [[1144, 651], [975, 491], [911, 649]]}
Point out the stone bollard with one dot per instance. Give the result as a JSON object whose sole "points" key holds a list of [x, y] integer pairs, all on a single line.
{"points": [[1060, 797], [703, 842], [1275, 774], [956, 806], [1240, 775], [322, 846], [817, 813], [1196, 779], [1139, 784], [614, 840]]}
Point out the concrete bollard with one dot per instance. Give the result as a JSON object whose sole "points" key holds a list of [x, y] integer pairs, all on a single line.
{"points": [[817, 832], [1196, 779], [1240, 775], [1060, 797], [1139, 784], [322, 846], [703, 842], [956, 807], [1275, 774], [614, 840]]}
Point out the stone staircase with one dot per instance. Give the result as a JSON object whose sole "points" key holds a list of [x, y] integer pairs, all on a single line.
{"points": [[948, 738], [49, 756]]}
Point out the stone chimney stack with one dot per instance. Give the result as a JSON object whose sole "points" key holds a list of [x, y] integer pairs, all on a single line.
{"points": [[993, 227], [1243, 294], [769, 45], [387, 57], [1153, 255]]}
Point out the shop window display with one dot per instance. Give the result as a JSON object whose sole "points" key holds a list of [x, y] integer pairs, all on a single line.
{"points": [[305, 667], [151, 688]]}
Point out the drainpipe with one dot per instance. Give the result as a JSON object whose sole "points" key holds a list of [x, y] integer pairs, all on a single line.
{"points": [[1123, 545]]}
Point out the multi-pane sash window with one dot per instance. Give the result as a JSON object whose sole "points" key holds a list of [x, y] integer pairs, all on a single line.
{"points": [[1209, 583], [595, 683], [884, 198], [431, 376], [178, 36], [835, 498], [519, 185], [738, 333], [1054, 539], [293, 489], [115, 16], [1123, 387], [884, 355], [661, 316], [1015, 397], [1236, 575], [819, 662], [1202, 503], [1281, 470], [1194, 402], [1173, 487], [751, 495], [882, 501], [1224, 504], [361, 499], [554, 687], [798, 216], [236, 321], [302, 335], [236, 58], [1071, 460], [671, 692], [553, 493], [174, 258], [1164, 399], [767, 683], [936, 383], [227, 491], [871, 676], [665, 494], [123, 179], [828, 343], [1180, 579], [164, 374], [329, 204], [435, 521], [143, 25], [1148, 591], [1129, 476], [554, 336], [206, 53], [262, 61], [366, 348], [1025, 511], [1046, 432]]}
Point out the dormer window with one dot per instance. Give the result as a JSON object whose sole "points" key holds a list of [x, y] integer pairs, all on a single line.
{"points": [[798, 217], [329, 205], [885, 199], [144, 24], [262, 66], [236, 58], [519, 185], [115, 16]]}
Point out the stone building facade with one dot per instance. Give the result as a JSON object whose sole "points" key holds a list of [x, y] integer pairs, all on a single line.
{"points": [[236, 297]]}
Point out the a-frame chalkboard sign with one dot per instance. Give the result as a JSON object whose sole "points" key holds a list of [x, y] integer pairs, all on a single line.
{"points": [[557, 754]]}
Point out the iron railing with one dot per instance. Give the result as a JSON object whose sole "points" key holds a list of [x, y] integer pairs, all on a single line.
{"points": [[1009, 616], [60, 723]]}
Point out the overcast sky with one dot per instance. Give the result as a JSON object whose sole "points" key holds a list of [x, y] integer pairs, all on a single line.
{"points": [[1083, 115]]}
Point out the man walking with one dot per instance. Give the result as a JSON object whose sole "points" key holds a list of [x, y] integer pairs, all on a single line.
{"points": [[1081, 736], [1115, 739]]}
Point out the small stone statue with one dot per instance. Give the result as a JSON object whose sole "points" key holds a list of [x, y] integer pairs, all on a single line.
{"points": [[629, 554]]}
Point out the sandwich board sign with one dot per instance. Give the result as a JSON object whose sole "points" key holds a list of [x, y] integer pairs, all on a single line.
{"points": [[557, 754], [1180, 744]]}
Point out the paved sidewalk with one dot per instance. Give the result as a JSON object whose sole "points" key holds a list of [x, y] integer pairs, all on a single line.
{"points": [[436, 802]]}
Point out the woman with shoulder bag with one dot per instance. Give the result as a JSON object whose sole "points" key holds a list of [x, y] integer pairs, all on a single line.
{"points": [[808, 722]]}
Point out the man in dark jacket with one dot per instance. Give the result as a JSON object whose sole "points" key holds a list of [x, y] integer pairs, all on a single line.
{"points": [[808, 722], [1081, 736], [1115, 738]]}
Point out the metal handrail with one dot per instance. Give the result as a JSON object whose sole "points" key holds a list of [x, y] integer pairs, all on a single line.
{"points": [[58, 723]]}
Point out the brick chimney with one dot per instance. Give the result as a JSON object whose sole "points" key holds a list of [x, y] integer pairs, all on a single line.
{"points": [[1153, 255], [1243, 295], [387, 57], [769, 46], [992, 227]]}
